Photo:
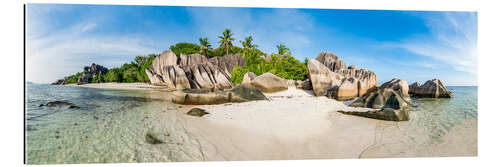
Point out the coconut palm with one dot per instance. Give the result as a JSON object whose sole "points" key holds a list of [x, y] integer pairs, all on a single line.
{"points": [[226, 40], [205, 46], [283, 50], [248, 45]]}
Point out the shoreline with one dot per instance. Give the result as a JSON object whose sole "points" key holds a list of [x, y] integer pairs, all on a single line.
{"points": [[295, 124], [120, 86]]}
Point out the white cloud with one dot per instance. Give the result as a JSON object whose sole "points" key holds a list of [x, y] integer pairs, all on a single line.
{"points": [[55, 53], [452, 40]]}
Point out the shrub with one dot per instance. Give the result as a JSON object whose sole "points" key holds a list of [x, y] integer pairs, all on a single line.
{"points": [[113, 75], [184, 47], [98, 78], [237, 74]]}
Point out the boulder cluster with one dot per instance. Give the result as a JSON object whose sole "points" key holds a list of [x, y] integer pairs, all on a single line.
{"points": [[89, 72], [330, 76], [432, 88], [193, 71]]}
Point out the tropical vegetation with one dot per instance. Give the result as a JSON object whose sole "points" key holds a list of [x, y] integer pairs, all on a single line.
{"points": [[281, 63]]}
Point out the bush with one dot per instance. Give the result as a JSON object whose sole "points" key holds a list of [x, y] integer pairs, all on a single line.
{"points": [[143, 77], [98, 78], [113, 75], [186, 48], [237, 74], [286, 67]]}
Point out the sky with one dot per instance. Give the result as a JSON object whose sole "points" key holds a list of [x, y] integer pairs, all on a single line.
{"points": [[410, 45]]}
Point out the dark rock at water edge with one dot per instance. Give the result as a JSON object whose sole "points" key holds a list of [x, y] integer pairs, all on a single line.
{"points": [[384, 98], [59, 104], [198, 112], [387, 114], [434, 88], [154, 138]]}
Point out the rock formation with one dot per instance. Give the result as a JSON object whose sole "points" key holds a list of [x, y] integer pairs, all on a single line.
{"points": [[432, 88], [397, 85], [348, 89], [241, 93], [413, 87], [269, 83], [322, 78], [328, 73], [387, 114], [331, 61], [384, 98], [197, 112], [249, 76], [59, 104], [193, 71]]}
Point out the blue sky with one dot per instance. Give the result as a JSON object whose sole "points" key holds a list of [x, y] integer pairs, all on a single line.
{"points": [[411, 45]]}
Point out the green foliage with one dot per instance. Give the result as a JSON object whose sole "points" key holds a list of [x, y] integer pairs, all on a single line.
{"points": [[205, 46], [113, 75], [238, 73], [226, 40], [283, 50], [306, 60], [186, 48], [286, 67], [98, 78], [142, 68], [73, 78]]}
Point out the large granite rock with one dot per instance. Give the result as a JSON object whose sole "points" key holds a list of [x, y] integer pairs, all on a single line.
{"points": [[171, 76], [167, 58], [193, 71], [305, 84], [322, 78], [227, 63], [59, 104], [187, 60], [398, 85], [348, 89], [433, 88], [95, 69], [240, 93], [367, 80], [387, 114], [207, 76], [413, 87], [249, 76], [269, 83], [384, 98], [331, 61], [83, 79]]}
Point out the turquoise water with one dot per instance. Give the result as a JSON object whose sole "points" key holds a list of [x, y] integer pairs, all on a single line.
{"points": [[438, 116], [111, 125]]}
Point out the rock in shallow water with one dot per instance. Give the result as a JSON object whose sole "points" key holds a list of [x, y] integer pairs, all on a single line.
{"points": [[154, 138], [387, 114], [59, 104], [198, 112]]}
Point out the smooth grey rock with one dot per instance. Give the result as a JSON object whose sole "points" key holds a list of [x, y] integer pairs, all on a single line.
{"points": [[270, 83], [59, 104], [433, 88], [387, 114], [198, 112]]}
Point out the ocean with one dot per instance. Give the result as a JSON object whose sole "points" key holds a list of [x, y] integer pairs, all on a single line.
{"points": [[111, 125]]}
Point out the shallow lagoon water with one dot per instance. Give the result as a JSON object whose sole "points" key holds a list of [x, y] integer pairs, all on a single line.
{"points": [[111, 125]]}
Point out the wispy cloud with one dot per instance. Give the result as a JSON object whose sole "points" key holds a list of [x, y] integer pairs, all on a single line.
{"points": [[51, 55], [452, 40]]}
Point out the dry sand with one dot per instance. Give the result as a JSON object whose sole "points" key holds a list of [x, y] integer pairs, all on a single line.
{"points": [[294, 124]]}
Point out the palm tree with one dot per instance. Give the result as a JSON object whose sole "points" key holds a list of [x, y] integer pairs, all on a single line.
{"points": [[205, 46], [248, 45], [283, 50], [226, 40]]}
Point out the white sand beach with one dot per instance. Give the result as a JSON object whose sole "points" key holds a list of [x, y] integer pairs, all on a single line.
{"points": [[294, 124]]}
